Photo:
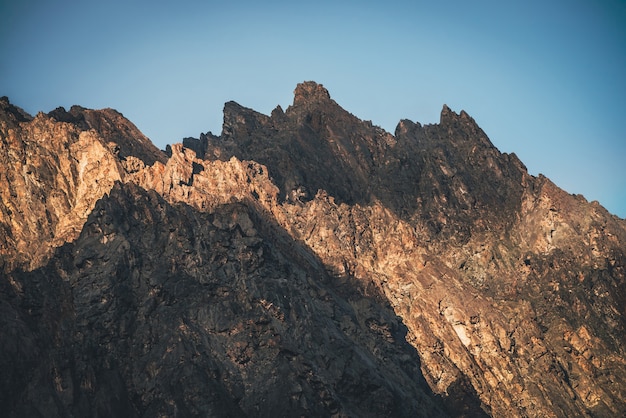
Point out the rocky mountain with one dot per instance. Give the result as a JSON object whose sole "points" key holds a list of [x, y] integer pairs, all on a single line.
{"points": [[305, 263]]}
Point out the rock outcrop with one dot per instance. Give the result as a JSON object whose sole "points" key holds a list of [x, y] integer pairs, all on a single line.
{"points": [[305, 263]]}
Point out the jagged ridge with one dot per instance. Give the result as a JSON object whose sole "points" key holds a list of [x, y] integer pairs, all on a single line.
{"points": [[511, 291]]}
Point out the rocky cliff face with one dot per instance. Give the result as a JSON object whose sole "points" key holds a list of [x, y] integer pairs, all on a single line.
{"points": [[304, 263]]}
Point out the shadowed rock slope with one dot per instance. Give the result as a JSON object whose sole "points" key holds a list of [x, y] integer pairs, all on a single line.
{"points": [[302, 263], [162, 310]]}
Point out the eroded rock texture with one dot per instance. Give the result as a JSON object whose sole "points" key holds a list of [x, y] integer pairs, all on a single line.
{"points": [[304, 263]]}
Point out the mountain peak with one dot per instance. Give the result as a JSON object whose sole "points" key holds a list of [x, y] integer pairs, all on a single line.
{"points": [[448, 114], [310, 91], [12, 112], [304, 263]]}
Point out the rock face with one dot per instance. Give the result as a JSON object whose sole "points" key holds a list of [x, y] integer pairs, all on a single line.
{"points": [[305, 263]]}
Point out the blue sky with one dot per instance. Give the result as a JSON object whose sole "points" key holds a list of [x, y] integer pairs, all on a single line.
{"points": [[544, 79]]}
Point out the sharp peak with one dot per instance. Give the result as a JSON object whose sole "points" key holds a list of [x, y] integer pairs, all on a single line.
{"points": [[449, 114], [233, 109], [310, 91], [17, 113]]}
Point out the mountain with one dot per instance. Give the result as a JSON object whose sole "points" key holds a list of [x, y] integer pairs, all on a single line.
{"points": [[305, 263]]}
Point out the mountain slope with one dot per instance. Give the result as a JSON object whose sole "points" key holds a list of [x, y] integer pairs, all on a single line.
{"points": [[304, 262], [163, 310]]}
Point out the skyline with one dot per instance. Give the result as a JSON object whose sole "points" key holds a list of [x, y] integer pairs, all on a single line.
{"points": [[543, 80]]}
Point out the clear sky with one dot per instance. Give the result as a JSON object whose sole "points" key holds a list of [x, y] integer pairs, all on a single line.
{"points": [[544, 79]]}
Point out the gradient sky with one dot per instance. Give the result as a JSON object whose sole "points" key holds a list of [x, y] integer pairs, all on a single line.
{"points": [[544, 79]]}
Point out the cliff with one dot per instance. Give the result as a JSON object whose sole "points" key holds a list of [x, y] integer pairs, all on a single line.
{"points": [[301, 263]]}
